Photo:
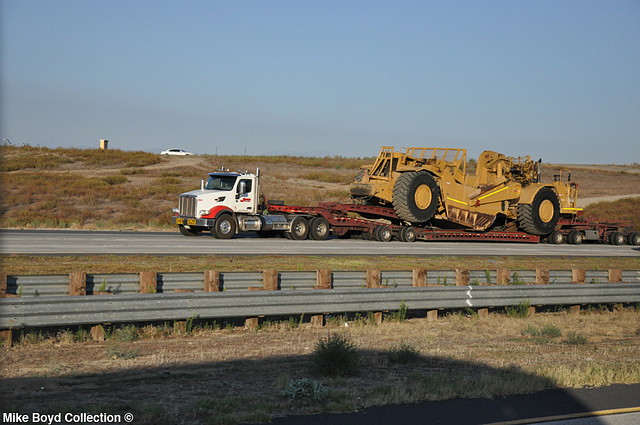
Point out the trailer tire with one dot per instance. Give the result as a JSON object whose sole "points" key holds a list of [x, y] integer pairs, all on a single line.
{"points": [[555, 237], [383, 233], [224, 227], [542, 215], [299, 229], [416, 196], [616, 238], [634, 238], [407, 234], [319, 229], [575, 237], [190, 231]]}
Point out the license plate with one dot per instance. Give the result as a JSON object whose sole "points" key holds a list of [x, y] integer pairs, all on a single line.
{"points": [[191, 221], [179, 220]]}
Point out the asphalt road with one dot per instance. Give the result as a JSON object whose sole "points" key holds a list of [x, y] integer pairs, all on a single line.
{"points": [[77, 242], [581, 406]]}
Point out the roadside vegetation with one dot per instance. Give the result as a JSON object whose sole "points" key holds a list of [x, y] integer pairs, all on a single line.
{"points": [[223, 373], [115, 189]]}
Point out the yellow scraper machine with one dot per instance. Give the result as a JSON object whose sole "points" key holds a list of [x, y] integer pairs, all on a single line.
{"points": [[413, 193]]}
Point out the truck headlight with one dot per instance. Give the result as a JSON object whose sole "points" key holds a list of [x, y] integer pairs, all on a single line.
{"points": [[175, 210], [203, 212]]}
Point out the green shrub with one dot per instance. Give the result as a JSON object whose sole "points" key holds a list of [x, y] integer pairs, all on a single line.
{"points": [[575, 338], [335, 355], [305, 389], [403, 353]]}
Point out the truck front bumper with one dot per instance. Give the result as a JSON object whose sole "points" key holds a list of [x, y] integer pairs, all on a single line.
{"points": [[192, 222]]}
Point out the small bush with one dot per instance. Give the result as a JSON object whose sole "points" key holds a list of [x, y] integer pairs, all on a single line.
{"points": [[335, 355], [403, 353], [521, 310], [551, 331], [575, 338], [305, 389]]}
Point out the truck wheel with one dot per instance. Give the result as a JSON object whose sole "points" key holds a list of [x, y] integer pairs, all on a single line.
{"points": [[634, 238], [416, 196], [555, 237], [299, 229], [224, 228], [189, 232], [575, 237], [616, 238], [407, 234], [319, 228], [542, 215], [383, 233]]}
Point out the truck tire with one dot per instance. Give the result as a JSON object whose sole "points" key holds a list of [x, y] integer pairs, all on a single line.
{"points": [[189, 232], [407, 234], [383, 233], [575, 237], [633, 238], [224, 228], [555, 237], [616, 238], [416, 197], [542, 215], [319, 229], [299, 229]]}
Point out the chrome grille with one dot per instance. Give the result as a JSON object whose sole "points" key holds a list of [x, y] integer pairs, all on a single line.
{"points": [[187, 206]]}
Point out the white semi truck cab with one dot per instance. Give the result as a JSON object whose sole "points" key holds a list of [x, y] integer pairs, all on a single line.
{"points": [[227, 203]]}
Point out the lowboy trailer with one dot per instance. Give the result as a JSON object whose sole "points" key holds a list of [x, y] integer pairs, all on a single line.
{"points": [[230, 203]]}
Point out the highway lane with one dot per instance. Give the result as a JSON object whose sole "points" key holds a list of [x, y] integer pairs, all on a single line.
{"points": [[80, 242]]}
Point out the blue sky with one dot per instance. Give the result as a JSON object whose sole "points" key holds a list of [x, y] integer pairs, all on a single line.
{"points": [[553, 79]]}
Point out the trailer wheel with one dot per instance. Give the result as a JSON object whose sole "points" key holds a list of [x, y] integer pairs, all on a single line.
{"points": [[555, 237], [575, 237], [542, 215], [634, 238], [224, 228], [407, 234], [416, 196], [616, 238], [189, 232], [383, 233], [299, 229], [319, 228]]}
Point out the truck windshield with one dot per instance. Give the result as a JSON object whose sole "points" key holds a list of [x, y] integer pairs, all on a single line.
{"points": [[221, 182]]}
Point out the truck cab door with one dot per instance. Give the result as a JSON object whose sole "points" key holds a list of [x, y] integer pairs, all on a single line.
{"points": [[245, 196]]}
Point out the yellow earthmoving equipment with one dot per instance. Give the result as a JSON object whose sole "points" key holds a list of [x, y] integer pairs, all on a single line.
{"points": [[430, 186]]}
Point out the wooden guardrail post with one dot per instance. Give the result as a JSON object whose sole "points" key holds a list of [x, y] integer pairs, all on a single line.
{"points": [[148, 282], [211, 281], [374, 277], [503, 276], [270, 280], [4, 286], [324, 280], [78, 283], [463, 276], [615, 276], [542, 276], [578, 276], [420, 277]]}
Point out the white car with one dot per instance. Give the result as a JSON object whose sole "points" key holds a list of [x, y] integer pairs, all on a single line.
{"points": [[175, 151]]}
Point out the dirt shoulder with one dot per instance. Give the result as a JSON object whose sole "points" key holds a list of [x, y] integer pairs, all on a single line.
{"points": [[236, 375]]}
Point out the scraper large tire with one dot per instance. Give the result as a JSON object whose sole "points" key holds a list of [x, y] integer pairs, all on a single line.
{"points": [[542, 215], [416, 197]]}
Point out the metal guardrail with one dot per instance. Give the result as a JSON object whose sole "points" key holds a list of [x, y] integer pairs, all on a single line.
{"points": [[121, 284], [44, 311]]}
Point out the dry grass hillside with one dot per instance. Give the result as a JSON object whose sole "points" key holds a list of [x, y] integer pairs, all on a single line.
{"points": [[114, 189]]}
